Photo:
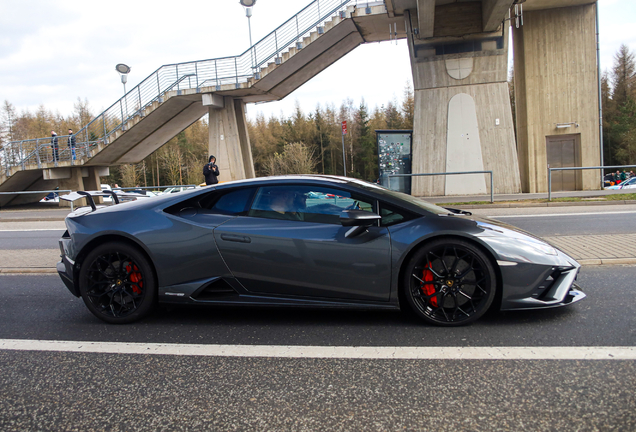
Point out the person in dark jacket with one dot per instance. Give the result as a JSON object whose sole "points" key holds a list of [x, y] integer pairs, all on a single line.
{"points": [[71, 142], [211, 172], [54, 145]]}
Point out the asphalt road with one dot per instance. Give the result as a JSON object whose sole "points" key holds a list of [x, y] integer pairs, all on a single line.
{"points": [[563, 224], [44, 390], [92, 391], [40, 307], [47, 239]]}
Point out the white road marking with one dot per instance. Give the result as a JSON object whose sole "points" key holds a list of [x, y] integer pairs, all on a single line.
{"points": [[328, 352], [561, 214]]}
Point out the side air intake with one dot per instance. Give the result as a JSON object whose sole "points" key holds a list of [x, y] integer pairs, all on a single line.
{"points": [[215, 290]]}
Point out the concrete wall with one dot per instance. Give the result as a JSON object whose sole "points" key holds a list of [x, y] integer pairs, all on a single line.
{"points": [[556, 81], [430, 138], [463, 118]]}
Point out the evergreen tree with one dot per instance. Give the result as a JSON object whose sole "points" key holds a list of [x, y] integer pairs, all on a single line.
{"points": [[392, 116], [623, 76], [619, 109], [408, 107]]}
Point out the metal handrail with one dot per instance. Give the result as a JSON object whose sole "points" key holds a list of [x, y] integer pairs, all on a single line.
{"points": [[492, 196], [225, 71], [579, 168]]}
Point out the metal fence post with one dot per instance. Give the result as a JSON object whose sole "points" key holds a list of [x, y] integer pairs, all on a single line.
{"points": [[37, 152], [104, 123], [549, 183], [21, 156], [216, 77]]}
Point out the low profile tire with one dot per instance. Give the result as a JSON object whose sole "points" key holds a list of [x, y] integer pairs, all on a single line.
{"points": [[449, 283], [117, 283]]}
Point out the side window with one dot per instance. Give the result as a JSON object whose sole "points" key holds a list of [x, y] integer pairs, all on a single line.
{"points": [[392, 215], [232, 203], [306, 203]]}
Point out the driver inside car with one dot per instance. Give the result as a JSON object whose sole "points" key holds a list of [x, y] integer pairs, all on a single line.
{"points": [[286, 204]]}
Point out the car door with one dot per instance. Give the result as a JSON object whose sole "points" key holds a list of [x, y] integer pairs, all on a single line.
{"points": [[291, 243]]}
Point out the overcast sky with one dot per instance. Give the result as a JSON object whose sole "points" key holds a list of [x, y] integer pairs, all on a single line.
{"points": [[54, 51]]}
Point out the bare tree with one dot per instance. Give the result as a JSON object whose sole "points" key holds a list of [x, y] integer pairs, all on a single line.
{"points": [[129, 175], [297, 158], [171, 160]]}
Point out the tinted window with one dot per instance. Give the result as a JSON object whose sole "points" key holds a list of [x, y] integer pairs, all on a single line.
{"points": [[232, 203], [306, 203], [392, 215]]}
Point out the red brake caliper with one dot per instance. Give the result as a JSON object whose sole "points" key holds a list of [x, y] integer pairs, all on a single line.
{"points": [[135, 278], [429, 289]]}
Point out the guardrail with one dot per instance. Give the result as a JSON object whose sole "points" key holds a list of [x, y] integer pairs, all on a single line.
{"points": [[581, 168], [45, 193], [61, 191], [492, 196]]}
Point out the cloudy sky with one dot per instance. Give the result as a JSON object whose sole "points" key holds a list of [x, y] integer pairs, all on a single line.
{"points": [[55, 51]]}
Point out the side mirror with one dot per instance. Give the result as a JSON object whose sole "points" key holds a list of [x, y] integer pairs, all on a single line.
{"points": [[359, 220]]}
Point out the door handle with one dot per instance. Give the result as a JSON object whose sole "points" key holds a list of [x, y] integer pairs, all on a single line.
{"points": [[236, 238]]}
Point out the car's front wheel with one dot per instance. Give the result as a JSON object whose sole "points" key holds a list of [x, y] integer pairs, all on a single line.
{"points": [[117, 283], [449, 282]]}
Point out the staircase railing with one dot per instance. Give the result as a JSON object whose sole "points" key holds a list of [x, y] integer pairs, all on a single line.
{"points": [[221, 73]]}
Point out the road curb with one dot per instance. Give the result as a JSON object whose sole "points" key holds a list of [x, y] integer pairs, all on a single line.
{"points": [[607, 261], [28, 270]]}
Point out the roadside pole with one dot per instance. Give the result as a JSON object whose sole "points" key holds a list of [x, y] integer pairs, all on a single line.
{"points": [[344, 159]]}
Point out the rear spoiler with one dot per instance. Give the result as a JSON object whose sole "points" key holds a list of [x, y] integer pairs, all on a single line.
{"points": [[74, 196]]}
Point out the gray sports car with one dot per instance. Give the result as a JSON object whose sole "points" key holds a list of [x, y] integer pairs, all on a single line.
{"points": [[306, 241]]}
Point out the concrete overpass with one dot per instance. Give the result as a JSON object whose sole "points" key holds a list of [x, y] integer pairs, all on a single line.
{"points": [[462, 121]]}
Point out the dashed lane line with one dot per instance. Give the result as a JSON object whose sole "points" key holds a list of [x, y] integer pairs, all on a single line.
{"points": [[561, 214], [327, 352]]}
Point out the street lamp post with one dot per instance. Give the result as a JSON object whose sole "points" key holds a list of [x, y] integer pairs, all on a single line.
{"points": [[248, 4], [123, 70]]}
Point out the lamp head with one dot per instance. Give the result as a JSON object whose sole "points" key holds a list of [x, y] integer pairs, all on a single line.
{"points": [[247, 3], [122, 68]]}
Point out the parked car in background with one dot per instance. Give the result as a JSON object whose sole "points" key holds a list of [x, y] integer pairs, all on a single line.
{"points": [[51, 197], [176, 189], [627, 184]]}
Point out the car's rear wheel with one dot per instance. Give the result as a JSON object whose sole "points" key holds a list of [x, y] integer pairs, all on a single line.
{"points": [[449, 282], [117, 283]]}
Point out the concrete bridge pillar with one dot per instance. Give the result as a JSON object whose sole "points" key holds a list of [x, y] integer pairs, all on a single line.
{"points": [[556, 87], [77, 178], [229, 140], [463, 117]]}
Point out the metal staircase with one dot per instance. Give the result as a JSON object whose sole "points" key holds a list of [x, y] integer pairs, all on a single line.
{"points": [[242, 76]]}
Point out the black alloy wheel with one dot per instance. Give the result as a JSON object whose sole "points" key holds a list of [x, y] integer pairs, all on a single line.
{"points": [[117, 283], [449, 282]]}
